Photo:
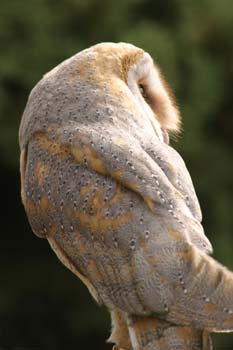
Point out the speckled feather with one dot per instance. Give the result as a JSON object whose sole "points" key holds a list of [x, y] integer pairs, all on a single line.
{"points": [[117, 204]]}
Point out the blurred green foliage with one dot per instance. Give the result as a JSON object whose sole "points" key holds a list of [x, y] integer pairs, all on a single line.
{"points": [[42, 305]]}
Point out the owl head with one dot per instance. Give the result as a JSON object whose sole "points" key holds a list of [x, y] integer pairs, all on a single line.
{"points": [[144, 80], [122, 71]]}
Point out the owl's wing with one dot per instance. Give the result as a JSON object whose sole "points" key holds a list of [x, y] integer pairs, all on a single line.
{"points": [[156, 172], [167, 191], [127, 237]]}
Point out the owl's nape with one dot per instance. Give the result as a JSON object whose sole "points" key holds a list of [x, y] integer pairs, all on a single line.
{"points": [[116, 202]]}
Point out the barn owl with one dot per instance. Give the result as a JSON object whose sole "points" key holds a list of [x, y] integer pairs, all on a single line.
{"points": [[116, 202]]}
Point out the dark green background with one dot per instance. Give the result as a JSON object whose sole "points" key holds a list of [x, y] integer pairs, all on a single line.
{"points": [[42, 305]]}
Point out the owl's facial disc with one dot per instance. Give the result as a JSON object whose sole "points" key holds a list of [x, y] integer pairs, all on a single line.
{"points": [[149, 101], [153, 97]]}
